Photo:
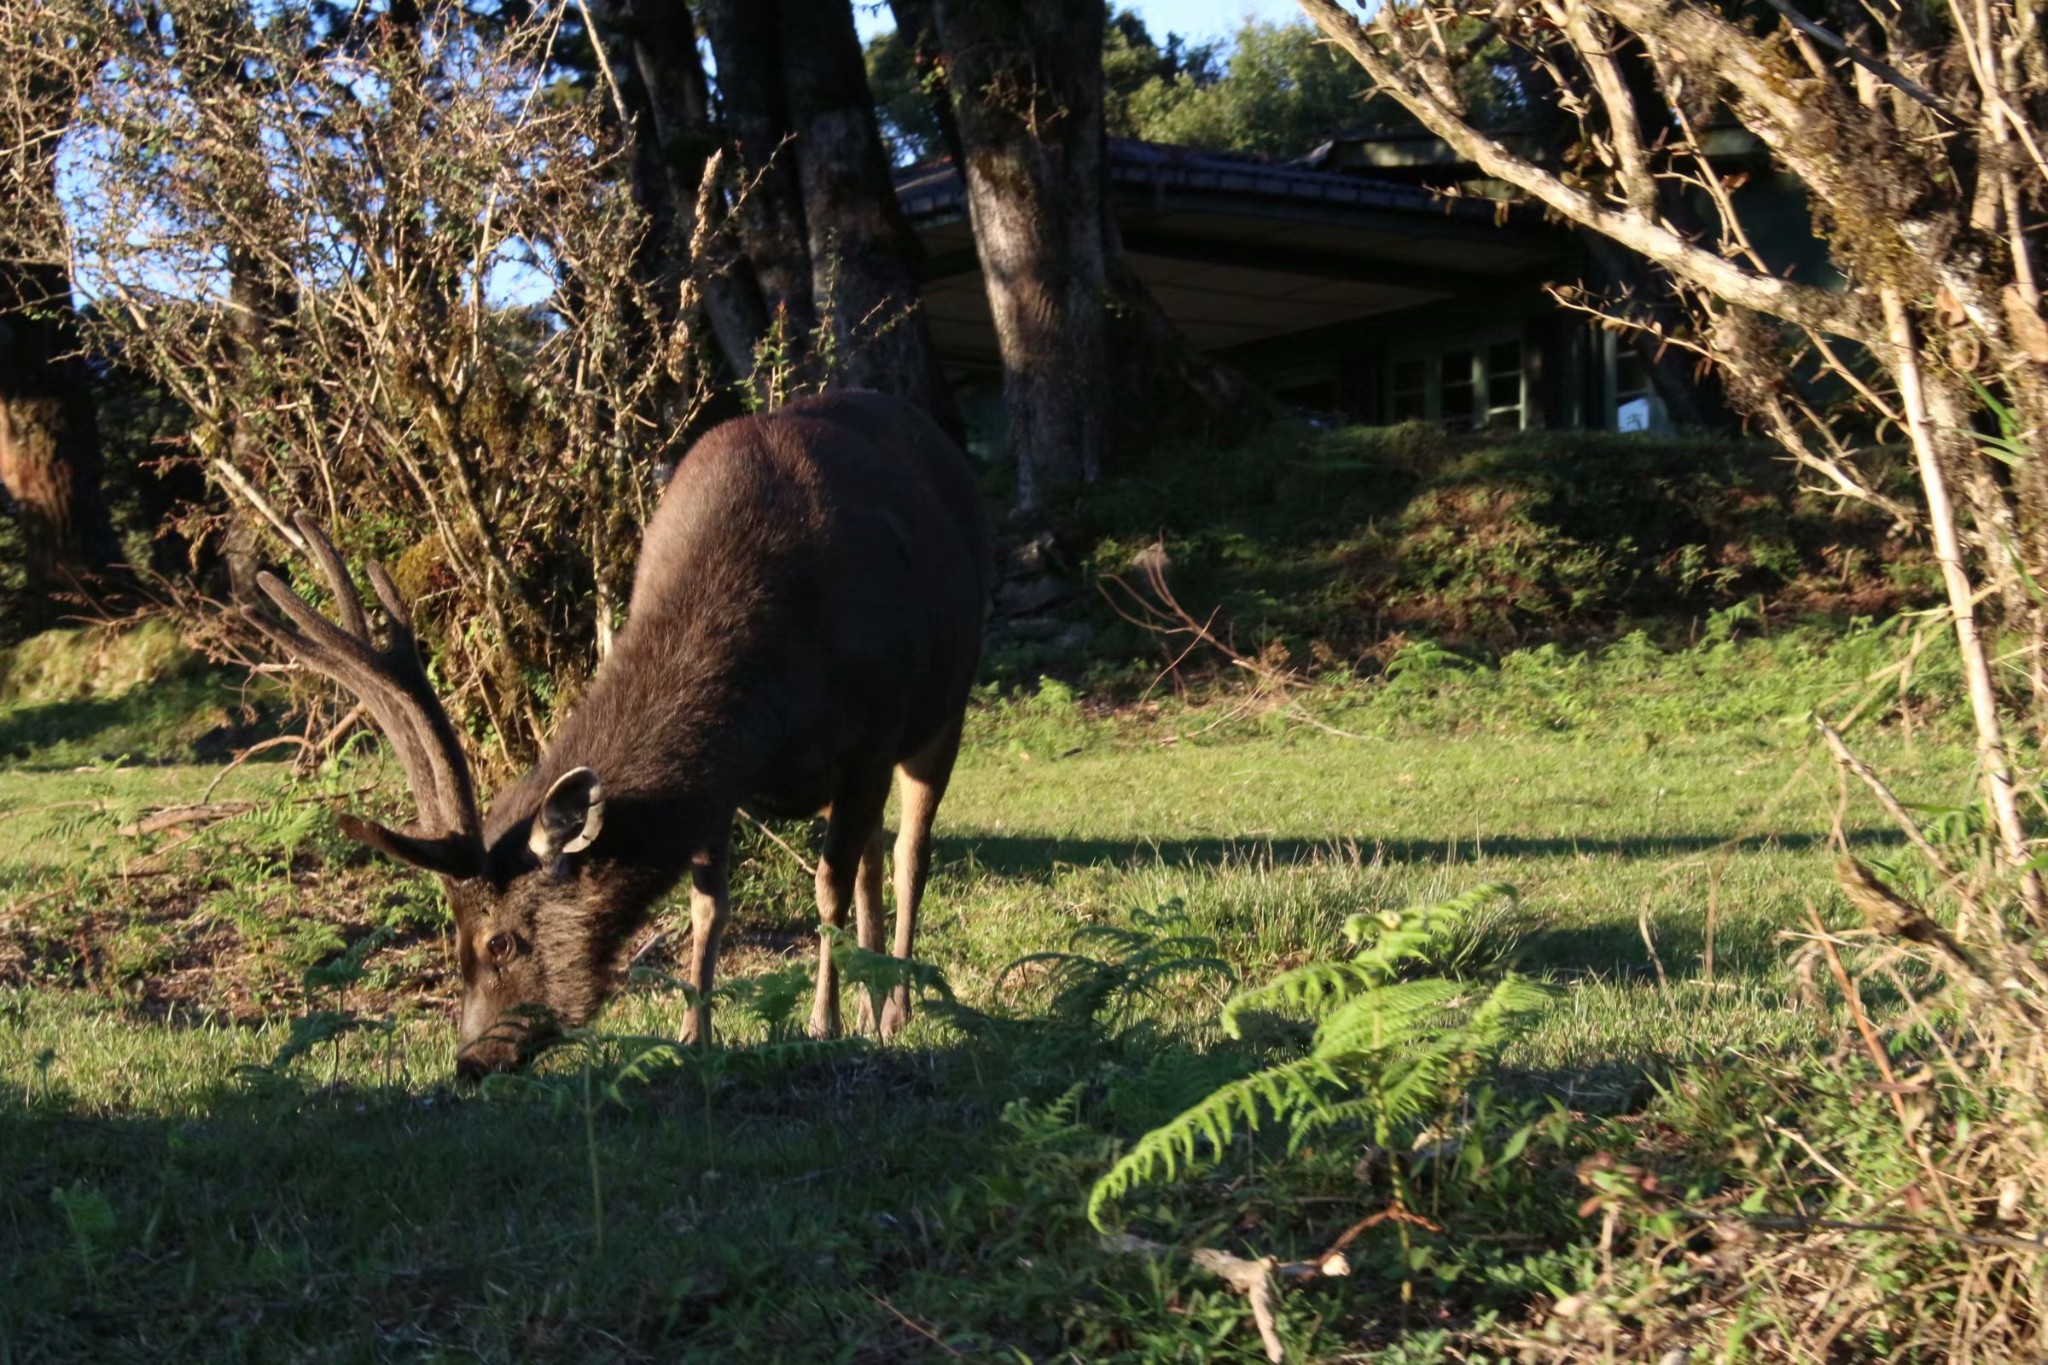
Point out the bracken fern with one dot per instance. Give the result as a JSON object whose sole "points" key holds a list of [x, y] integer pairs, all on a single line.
{"points": [[1386, 1051]]}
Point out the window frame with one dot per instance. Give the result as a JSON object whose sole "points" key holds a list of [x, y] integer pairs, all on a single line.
{"points": [[1478, 347]]}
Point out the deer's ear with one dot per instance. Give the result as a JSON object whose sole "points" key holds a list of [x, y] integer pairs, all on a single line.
{"points": [[571, 816], [451, 855]]}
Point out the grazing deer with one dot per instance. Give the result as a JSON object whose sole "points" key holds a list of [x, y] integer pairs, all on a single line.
{"points": [[806, 618]]}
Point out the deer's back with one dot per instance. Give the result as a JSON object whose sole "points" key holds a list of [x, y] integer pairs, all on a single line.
{"points": [[831, 560]]}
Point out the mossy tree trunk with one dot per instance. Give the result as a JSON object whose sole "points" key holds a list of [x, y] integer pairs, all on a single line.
{"points": [[662, 82], [867, 264], [1090, 360], [839, 268], [746, 43], [1026, 80]]}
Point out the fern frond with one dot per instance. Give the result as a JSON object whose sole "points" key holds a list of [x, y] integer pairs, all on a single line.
{"points": [[1311, 988], [1282, 1091], [1511, 997], [1157, 972], [1390, 937], [1399, 1012], [1059, 960], [1116, 935], [1418, 1082], [879, 973]]}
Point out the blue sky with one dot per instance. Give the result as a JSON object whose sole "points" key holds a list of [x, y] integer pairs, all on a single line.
{"points": [[1195, 19], [1211, 18]]}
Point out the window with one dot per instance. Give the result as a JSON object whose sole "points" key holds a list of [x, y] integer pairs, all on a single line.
{"points": [[1463, 387], [1411, 391], [1504, 386], [1634, 404], [1459, 393]]}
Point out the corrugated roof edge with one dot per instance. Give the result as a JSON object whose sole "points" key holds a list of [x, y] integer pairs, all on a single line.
{"points": [[932, 187]]}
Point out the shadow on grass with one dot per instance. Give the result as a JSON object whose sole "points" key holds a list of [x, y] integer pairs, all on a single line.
{"points": [[828, 1207], [1018, 856], [24, 729], [186, 719]]}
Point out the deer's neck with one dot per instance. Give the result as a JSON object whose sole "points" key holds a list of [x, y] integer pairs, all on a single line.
{"points": [[677, 727]]}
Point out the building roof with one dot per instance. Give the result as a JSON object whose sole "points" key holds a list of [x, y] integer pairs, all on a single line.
{"points": [[1240, 250]]}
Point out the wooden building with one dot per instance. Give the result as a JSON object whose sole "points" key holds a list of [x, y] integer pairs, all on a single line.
{"points": [[1373, 280]]}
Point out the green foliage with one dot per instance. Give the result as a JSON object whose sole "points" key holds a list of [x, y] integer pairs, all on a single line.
{"points": [[774, 1000], [1114, 974], [89, 1216], [1282, 92], [1387, 1052], [749, 1202], [1132, 62], [76, 694], [877, 974], [903, 100]]}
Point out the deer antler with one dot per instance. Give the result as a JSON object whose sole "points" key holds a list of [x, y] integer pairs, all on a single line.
{"points": [[392, 684]]}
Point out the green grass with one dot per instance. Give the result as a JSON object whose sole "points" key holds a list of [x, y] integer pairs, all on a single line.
{"points": [[167, 1192]]}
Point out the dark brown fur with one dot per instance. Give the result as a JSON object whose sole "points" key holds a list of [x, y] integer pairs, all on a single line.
{"points": [[805, 621]]}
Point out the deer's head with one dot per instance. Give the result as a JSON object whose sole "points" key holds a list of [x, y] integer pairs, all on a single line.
{"points": [[525, 900]]}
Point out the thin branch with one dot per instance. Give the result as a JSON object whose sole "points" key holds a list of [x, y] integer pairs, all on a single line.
{"points": [[1862, 771], [1883, 70], [1841, 314], [239, 483]]}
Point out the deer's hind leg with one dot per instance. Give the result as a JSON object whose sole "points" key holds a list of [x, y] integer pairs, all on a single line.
{"points": [[920, 785], [851, 833]]}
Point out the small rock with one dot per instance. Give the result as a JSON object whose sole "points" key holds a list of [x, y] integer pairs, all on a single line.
{"points": [[1038, 555]]}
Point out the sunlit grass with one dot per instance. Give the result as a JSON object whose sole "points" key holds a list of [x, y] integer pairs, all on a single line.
{"points": [[804, 1203]]}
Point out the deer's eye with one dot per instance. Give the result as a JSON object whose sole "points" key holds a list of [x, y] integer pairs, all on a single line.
{"points": [[500, 948]]}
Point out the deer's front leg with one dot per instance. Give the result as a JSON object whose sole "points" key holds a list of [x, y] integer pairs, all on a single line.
{"points": [[709, 905]]}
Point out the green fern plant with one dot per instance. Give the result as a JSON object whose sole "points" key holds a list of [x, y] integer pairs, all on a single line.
{"points": [[1114, 974], [1387, 1052]]}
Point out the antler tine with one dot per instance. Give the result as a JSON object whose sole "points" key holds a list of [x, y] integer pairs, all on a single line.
{"points": [[338, 582], [388, 598], [391, 683]]}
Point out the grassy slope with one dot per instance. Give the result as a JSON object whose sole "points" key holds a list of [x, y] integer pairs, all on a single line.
{"points": [[156, 1201]]}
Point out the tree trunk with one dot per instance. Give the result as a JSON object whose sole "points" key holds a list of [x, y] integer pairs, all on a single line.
{"points": [[1090, 360], [49, 439], [1026, 78], [918, 22], [746, 43], [866, 262], [663, 83]]}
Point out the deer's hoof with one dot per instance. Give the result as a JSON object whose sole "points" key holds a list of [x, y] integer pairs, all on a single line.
{"points": [[895, 1013]]}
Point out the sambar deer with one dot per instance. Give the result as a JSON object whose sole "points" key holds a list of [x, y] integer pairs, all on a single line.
{"points": [[806, 617]]}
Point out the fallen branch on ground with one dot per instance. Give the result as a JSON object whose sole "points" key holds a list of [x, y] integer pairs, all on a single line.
{"points": [[1259, 1281], [170, 817]]}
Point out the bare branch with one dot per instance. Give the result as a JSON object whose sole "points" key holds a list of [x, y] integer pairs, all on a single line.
{"points": [[1842, 315]]}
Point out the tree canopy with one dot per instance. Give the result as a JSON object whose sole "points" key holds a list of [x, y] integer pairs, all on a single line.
{"points": [[1270, 89]]}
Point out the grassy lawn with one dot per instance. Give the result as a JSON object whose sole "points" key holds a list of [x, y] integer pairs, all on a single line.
{"points": [[171, 1190]]}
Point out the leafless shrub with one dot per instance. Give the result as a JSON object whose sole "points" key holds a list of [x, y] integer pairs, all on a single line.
{"points": [[1150, 604], [390, 269]]}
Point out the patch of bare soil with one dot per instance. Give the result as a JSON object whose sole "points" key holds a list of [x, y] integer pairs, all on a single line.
{"points": [[173, 938]]}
